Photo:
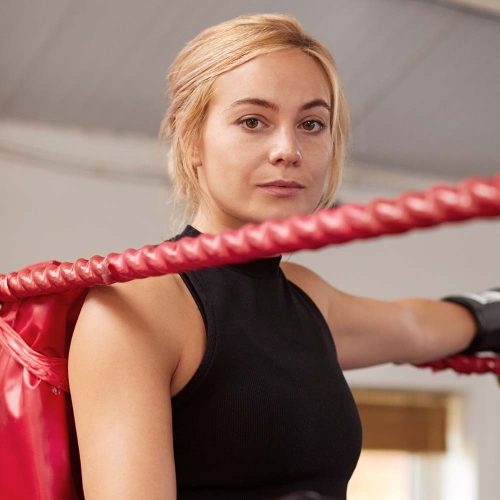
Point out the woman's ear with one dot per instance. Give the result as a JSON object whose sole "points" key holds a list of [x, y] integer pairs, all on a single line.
{"points": [[197, 159]]}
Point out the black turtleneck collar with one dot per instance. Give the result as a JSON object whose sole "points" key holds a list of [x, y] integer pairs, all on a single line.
{"points": [[267, 267]]}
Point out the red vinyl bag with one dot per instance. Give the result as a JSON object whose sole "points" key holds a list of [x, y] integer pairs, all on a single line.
{"points": [[39, 457]]}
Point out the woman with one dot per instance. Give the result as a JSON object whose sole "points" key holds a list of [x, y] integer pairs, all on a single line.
{"points": [[226, 382]]}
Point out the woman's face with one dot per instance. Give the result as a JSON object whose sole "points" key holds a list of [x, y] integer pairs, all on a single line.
{"points": [[268, 120]]}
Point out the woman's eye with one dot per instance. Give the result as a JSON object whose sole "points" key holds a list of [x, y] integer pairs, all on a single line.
{"points": [[309, 125], [251, 123]]}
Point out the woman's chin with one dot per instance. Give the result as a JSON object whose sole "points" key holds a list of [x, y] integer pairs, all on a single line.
{"points": [[280, 213]]}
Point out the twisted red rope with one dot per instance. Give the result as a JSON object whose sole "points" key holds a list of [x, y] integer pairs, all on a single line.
{"points": [[472, 198]]}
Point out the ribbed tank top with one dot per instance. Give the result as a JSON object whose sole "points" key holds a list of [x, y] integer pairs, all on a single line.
{"points": [[268, 411]]}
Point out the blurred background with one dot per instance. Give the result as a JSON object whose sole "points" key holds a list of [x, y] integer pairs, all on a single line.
{"points": [[81, 173]]}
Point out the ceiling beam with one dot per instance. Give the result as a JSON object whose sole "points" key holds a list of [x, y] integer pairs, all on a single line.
{"points": [[74, 150], [491, 7]]}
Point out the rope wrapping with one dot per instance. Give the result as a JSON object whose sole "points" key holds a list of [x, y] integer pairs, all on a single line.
{"points": [[472, 198]]}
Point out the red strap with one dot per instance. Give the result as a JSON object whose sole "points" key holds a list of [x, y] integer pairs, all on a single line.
{"points": [[50, 369]]}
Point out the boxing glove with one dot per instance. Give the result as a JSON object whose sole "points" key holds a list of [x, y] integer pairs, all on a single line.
{"points": [[485, 307]]}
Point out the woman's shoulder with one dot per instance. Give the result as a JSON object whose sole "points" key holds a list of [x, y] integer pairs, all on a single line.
{"points": [[308, 281], [146, 299], [297, 272], [148, 307]]}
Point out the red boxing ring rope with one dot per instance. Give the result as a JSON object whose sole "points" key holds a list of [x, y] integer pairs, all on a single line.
{"points": [[471, 198]]}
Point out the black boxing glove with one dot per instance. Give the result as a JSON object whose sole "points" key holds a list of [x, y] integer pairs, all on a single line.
{"points": [[485, 307]]}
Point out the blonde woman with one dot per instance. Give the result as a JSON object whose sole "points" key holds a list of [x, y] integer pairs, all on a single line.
{"points": [[226, 383]]}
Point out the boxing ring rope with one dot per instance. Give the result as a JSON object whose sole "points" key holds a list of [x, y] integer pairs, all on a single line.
{"points": [[472, 198]]}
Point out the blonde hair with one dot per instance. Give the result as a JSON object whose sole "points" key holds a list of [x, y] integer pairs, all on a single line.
{"points": [[217, 50]]}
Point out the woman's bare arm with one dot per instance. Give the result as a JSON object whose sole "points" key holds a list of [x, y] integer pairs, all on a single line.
{"points": [[369, 332], [120, 368]]}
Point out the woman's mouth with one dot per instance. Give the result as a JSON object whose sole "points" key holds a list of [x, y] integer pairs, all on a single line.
{"points": [[281, 188], [281, 191]]}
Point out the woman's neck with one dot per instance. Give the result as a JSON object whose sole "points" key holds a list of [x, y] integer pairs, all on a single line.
{"points": [[209, 227]]}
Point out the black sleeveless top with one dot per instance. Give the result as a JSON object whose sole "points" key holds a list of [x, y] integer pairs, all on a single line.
{"points": [[268, 411]]}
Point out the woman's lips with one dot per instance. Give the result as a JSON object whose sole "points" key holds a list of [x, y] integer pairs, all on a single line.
{"points": [[281, 191]]}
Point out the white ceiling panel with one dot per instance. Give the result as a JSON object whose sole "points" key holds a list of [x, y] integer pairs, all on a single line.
{"points": [[27, 31], [422, 77], [445, 113]]}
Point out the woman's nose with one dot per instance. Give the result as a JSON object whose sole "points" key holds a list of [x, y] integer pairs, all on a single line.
{"points": [[285, 148]]}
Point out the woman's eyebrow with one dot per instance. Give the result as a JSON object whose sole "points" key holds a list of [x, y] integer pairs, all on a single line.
{"points": [[270, 105]]}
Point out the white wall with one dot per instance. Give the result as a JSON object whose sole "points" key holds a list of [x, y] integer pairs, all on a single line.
{"points": [[69, 194]]}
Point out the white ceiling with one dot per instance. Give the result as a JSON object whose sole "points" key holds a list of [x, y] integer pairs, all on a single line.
{"points": [[422, 77]]}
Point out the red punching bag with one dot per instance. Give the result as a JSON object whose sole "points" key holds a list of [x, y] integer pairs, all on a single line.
{"points": [[39, 457]]}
